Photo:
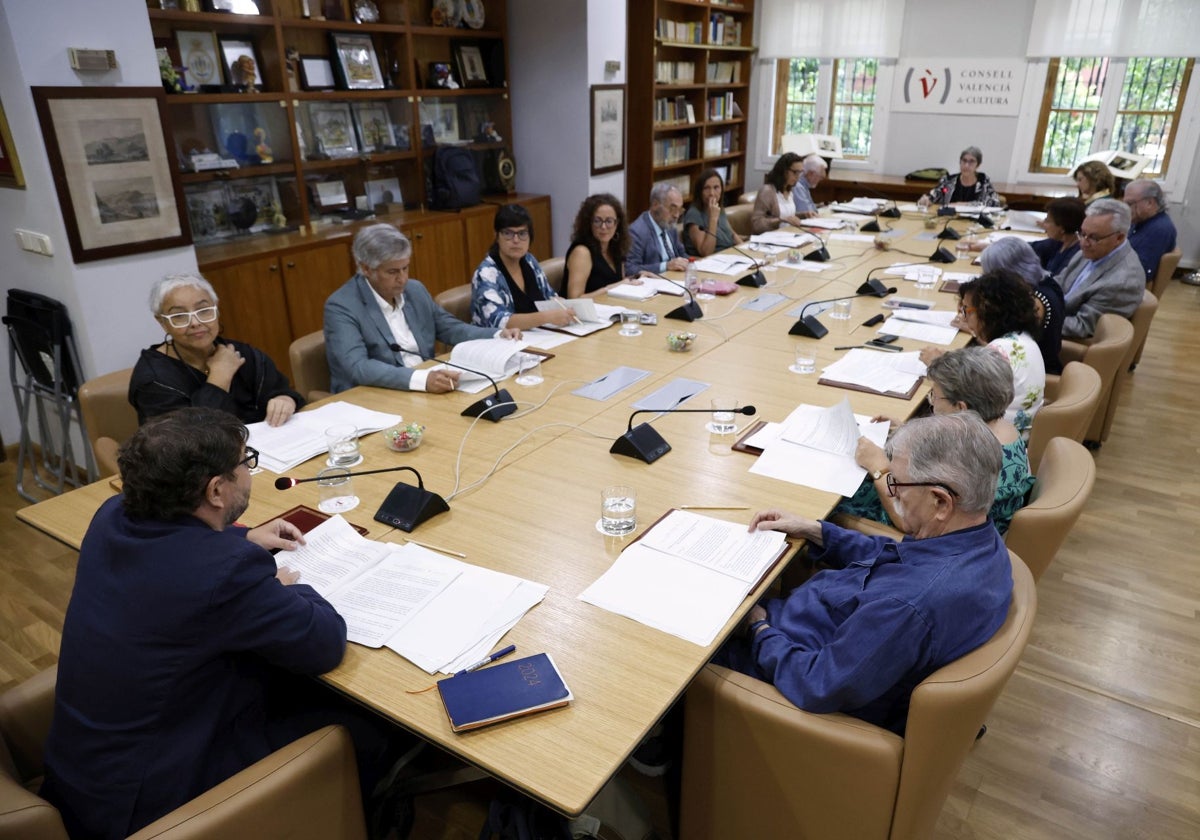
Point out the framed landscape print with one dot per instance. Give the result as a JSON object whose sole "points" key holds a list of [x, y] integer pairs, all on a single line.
{"points": [[116, 180], [608, 128], [333, 129], [374, 125], [355, 61], [442, 117], [208, 212]]}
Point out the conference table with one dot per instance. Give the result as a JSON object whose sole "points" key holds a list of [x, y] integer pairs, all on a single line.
{"points": [[524, 499]]}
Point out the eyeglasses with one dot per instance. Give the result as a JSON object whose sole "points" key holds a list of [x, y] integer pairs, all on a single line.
{"points": [[967, 160], [604, 223], [181, 319], [1091, 237], [251, 459], [932, 398], [892, 484], [965, 310], [521, 235]]}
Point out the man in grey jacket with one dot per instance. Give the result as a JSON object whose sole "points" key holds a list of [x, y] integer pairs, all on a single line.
{"points": [[1106, 275]]}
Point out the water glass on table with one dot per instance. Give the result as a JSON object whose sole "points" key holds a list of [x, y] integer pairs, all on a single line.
{"points": [[618, 510], [631, 323], [342, 441], [335, 490], [841, 310], [806, 359], [724, 417]]}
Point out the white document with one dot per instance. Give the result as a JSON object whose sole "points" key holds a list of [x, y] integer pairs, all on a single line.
{"points": [[876, 371], [809, 467], [663, 286], [851, 237], [282, 447], [929, 332], [592, 316], [726, 264], [629, 291], [831, 429], [937, 317], [546, 339], [909, 270], [784, 238], [498, 358], [828, 223], [1025, 220]]}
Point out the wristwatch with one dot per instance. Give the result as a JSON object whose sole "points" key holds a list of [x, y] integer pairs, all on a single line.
{"points": [[878, 474]]}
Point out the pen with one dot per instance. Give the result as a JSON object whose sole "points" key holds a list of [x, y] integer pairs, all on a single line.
{"points": [[887, 348], [574, 317], [437, 548], [488, 660], [713, 507]]}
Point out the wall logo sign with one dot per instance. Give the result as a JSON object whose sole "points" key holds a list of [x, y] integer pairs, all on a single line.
{"points": [[960, 86]]}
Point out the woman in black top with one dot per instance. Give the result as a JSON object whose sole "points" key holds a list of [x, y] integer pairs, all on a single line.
{"points": [[599, 243]]}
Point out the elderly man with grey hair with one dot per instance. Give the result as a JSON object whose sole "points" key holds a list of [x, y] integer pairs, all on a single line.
{"points": [[814, 173], [859, 636], [1106, 275], [380, 324], [1152, 233], [654, 243]]}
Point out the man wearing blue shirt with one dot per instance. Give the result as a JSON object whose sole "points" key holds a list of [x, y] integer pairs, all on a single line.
{"points": [[814, 172], [858, 637], [1153, 232], [654, 243], [1106, 275]]}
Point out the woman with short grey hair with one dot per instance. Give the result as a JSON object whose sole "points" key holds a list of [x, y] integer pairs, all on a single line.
{"points": [[968, 186]]}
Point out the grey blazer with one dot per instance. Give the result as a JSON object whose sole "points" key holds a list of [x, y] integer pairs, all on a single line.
{"points": [[644, 254], [1117, 287], [358, 341]]}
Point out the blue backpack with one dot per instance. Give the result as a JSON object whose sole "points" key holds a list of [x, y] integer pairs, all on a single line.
{"points": [[455, 179]]}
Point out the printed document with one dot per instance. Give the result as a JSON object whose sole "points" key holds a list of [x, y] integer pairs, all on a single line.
{"points": [[282, 447]]}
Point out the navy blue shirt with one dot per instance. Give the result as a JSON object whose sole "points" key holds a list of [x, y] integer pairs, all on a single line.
{"points": [[1151, 239]]}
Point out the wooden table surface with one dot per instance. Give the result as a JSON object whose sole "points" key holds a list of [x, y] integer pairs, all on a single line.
{"points": [[536, 516]]}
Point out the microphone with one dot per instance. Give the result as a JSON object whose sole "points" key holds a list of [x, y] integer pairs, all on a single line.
{"points": [[406, 506], [756, 279], [941, 255], [809, 327], [949, 232], [892, 212], [689, 311], [646, 444], [820, 254], [495, 408], [287, 483]]}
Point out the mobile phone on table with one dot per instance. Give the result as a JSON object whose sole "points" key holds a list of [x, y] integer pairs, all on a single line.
{"points": [[883, 338]]}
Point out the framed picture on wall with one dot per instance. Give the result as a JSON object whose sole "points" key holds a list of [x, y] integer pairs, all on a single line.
{"points": [[10, 167], [355, 61], [113, 161], [333, 129], [374, 125], [608, 128], [471, 68]]}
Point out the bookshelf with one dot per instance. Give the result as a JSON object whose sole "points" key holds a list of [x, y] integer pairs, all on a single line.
{"points": [[689, 94]]}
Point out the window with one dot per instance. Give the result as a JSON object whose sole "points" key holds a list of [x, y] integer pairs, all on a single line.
{"points": [[828, 96], [1095, 104]]}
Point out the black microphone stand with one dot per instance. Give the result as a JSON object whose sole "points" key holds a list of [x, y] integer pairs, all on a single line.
{"points": [[406, 506], [689, 311], [646, 444], [756, 279], [809, 327], [495, 408]]}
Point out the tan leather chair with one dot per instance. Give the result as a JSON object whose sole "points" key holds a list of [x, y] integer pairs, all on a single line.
{"points": [[1105, 352], [739, 219], [310, 367], [108, 416], [1142, 317], [1068, 411], [456, 301], [308, 789], [1166, 270], [1065, 477], [554, 273], [756, 766]]}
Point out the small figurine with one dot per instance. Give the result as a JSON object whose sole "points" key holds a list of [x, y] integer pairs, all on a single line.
{"points": [[243, 74], [261, 148], [488, 133]]}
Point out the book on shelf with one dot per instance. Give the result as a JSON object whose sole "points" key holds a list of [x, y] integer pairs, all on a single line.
{"points": [[722, 107], [673, 110], [674, 72], [679, 31], [672, 150], [722, 143], [724, 72], [724, 30], [502, 692]]}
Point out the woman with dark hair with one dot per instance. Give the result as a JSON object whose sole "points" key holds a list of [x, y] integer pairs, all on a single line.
{"points": [[968, 186], [599, 243], [509, 282], [774, 204], [1064, 216], [1010, 253], [998, 310], [705, 226], [1093, 181]]}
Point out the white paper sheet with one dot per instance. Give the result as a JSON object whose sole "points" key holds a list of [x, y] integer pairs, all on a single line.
{"points": [[881, 372], [282, 447], [931, 333], [809, 467]]}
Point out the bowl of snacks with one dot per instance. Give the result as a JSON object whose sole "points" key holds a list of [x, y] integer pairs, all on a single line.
{"points": [[404, 437], [680, 342]]}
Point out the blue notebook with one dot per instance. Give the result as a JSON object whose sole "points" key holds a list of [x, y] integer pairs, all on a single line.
{"points": [[509, 690]]}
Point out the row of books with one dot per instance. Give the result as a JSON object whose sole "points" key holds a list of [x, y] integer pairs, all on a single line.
{"points": [[677, 110], [676, 72], [672, 150], [725, 30], [683, 183], [725, 72], [722, 143], [680, 31], [722, 107]]}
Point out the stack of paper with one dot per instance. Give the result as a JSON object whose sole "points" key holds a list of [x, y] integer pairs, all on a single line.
{"points": [[871, 370], [591, 316], [862, 204], [715, 563], [730, 265], [437, 612], [824, 223], [786, 239], [282, 447], [1025, 220], [629, 291], [921, 325], [909, 270], [498, 358]]}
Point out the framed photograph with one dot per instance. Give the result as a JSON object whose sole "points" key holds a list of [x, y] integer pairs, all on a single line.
{"points": [[200, 56], [333, 129], [259, 193], [355, 61], [331, 195], [471, 68], [208, 212], [316, 73], [113, 161], [441, 76], [374, 126], [608, 128], [442, 117], [241, 63], [384, 191], [10, 167]]}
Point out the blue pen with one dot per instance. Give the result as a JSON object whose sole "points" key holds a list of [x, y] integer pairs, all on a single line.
{"points": [[488, 660]]}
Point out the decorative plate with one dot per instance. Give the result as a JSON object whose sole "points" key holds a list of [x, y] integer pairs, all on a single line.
{"points": [[450, 12], [365, 11], [473, 13]]}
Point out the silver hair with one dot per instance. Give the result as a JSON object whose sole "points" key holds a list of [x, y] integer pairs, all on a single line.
{"points": [[660, 191], [957, 450], [1117, 210], [1013, 254], [977, 376], [974, 152], [815, 163], [1152, 189], [171, 282], [376, 244]]}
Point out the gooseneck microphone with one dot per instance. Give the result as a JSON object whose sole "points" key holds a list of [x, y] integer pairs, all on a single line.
{"points": [[949, 232], [286, 483], [689, 311], [495, 408], [756, 279], [406, 506], [646, 444], [892, 212], [820, 254], [809, 327]]}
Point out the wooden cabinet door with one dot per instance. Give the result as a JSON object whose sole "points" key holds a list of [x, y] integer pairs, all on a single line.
{"points": [[439, 260], [311, 276], [253, 308], [542, 247]]}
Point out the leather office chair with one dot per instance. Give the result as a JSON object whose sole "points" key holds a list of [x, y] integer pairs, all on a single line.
{"points": [[1068, 411], [456, 301], [554, 273], [308, 789], [1065, 477], [1105, 352], [1166, 270], [108, 417], [739, 219], [756, 766], [310, 367], [1142, 317]]}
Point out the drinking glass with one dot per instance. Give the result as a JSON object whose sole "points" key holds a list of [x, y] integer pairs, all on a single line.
{"points": [[342, 441], [724, 420], [335, 489], [529, 371], [618, 510], [631, 323], [806, 359], [841, 310]]}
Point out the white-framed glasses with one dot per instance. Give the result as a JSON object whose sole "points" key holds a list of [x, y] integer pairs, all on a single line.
{"points": [[179, 320]]}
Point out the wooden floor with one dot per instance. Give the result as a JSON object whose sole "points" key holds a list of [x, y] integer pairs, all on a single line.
{"points": [[1097, 734]]}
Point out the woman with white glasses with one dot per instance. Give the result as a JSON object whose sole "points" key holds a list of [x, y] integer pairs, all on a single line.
{"points": [[194, 366], [508, 284]]}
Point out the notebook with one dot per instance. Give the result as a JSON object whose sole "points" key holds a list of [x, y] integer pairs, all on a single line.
{"points": [[504, 691]]}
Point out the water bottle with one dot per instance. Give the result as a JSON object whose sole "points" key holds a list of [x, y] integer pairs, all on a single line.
{"points": [[690, 281]]}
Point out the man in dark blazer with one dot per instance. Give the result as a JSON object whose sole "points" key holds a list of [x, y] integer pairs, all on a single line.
{"points": [[1106, 275], [654, 243], [379, 325], [179, 631]]}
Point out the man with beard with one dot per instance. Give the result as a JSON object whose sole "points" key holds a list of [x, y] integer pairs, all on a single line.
{"points": [[182, 641]]}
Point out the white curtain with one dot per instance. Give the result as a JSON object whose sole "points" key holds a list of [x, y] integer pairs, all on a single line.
{"points": [[1115, 28], [830, 28]]}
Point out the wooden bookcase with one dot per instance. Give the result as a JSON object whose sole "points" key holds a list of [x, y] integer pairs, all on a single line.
{"points": [[689, 94]]}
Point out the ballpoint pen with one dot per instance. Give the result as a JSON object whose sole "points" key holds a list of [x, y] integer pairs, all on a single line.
{"points": [[887, 348], [574, 317], [488, 660]]}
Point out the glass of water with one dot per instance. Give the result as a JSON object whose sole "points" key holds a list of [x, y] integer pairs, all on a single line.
{"points": [[335, 490], [529, 371], [342, 441], [631, 323], [618, 510], [724, 418]]}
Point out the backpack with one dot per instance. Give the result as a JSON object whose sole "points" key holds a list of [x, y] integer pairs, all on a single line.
{"points": [[454, 180], [933, 173]]}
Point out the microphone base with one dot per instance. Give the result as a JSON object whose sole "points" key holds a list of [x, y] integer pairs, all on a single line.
{"points": [[406, 507], [642, 442], [947, 211], [690, 311], [819, 255], [949, 233], [871, 227], [875, 287], [941, 255], [892, 212], [985, 221], [809, 327], [495, 407], [756, 280]]}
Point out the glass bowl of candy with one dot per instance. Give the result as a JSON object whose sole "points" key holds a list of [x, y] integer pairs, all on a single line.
{"points": [[404, 437], [680, 342]]}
